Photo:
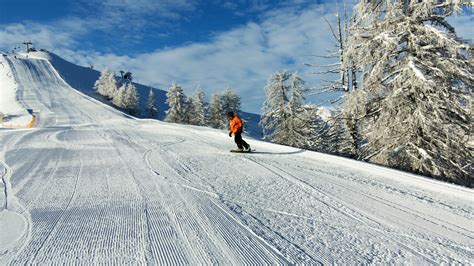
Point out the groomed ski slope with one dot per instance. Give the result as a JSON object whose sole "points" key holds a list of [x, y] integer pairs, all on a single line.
{"points": [[90, 185]]}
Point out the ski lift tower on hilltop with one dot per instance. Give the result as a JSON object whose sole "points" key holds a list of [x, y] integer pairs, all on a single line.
{"points": [[28, 43]]}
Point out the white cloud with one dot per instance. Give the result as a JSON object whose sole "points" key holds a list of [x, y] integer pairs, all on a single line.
{"points": [[242, 58], [49, 37], [127, 19], [131, 16], [147, 6]]}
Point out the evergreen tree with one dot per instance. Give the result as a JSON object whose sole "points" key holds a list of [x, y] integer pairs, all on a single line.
{"points": [[230, 102], [119, 97], [130, 102], [106, 85], [112, 86], [101, 84], [415, 104], [198, 117], [297, 99], [335, 138], [188, 110], [300, 125], [274, 111], [216, 119], [176, 102], [288, 120], [151, 105]]}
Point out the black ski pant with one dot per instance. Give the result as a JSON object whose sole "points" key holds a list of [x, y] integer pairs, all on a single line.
{"points": [[239, 141]]}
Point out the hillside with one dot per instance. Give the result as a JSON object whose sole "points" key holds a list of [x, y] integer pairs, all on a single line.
{"points": [[91, 185], [83, 79]]}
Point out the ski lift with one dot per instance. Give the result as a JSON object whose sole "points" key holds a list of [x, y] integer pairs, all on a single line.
{"points": [[128, 76]]}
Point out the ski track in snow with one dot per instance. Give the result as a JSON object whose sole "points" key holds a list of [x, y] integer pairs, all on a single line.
{"points": [[91, 185], [15, 225]]}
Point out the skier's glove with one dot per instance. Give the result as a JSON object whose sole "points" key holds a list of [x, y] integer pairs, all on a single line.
{"points": [[230, 134]]}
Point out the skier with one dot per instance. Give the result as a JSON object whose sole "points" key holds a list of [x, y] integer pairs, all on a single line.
{"points": [[236, 126]]}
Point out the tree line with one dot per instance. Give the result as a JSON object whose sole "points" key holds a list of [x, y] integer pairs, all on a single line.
{"points": [[407, 83], [194, 110]]}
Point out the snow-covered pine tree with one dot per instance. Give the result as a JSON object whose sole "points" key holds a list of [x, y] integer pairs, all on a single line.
{"points": [[176, 102], [230, 102], [274, 111], [112, 86], [131, 99], [101, 84], [417, 88], [285, 118], [107, 84], [336, 138], [119, 97], [151, 108], [299, 129], [216, 119], [199, 117], [188, 110]]}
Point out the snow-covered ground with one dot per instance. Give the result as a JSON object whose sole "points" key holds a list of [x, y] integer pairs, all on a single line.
{"points": [[12, 114], [89, 184]]}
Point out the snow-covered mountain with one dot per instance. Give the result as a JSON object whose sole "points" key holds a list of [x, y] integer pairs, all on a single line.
{"points": [[91, 185]]}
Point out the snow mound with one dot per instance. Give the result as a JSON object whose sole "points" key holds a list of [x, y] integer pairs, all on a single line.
{"points": [[13, 228], [12, 114], [37, 55]]}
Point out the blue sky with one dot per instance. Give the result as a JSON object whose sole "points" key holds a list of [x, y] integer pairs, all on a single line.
{"points": [[214, 43]]}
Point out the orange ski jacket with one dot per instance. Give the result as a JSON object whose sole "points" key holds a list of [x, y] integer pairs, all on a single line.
{"points": [[235, 124]]}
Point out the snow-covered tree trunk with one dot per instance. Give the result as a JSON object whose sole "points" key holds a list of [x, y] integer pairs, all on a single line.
{"points": [[341, 40], [415, 103], [341, 64], [151, 105], [176, 101]]}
